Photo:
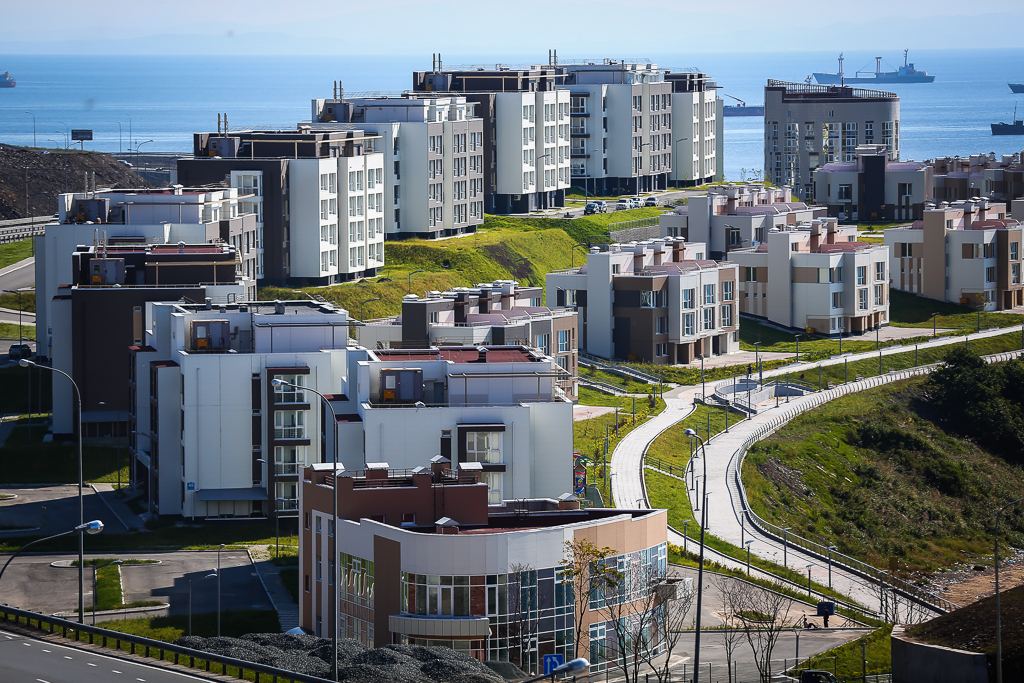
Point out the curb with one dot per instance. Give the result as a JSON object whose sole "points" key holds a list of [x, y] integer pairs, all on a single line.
{"points": [[110, 507], [129, 610]]}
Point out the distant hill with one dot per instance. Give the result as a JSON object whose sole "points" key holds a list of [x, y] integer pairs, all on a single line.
{"points": [[973, 628], [51, 172]]}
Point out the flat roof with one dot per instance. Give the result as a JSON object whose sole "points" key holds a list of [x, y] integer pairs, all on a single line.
{"points": [[503, 354]]}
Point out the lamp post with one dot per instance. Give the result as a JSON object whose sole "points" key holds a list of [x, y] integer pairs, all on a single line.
{"points": [[703, 383], [95, 599], [218, 588], [333, 614], [363, 303], [65, 137], [757, 361], [748, 555], [25, 363], [785, 546], [104, 403], [797, 337], [215, 574], [410, 278], [808, 568], [93, 527], [999, 634], [33, 127], [830, 549], [700, 568], [572, 253], [119, 151], [129, 132], [684, 534], [934, 332], [138, 147]]}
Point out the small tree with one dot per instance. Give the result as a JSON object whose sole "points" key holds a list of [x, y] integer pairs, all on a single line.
{"points": [[729, 591], [586, 574], [669, 621], [630, 609], [522, 610], [763, 612]]}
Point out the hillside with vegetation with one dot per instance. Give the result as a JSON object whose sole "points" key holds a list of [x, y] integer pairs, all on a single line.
{"points": [[914, 470]]}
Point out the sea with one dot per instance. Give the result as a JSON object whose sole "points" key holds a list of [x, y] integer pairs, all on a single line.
{"points": [[156, 103]]}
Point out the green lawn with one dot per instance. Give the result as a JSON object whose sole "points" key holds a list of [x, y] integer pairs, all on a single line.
{"points": [[846, 661], [12, 331], [234, 623], [632, 386], [12, 252], [28, 301], [910, 310]]}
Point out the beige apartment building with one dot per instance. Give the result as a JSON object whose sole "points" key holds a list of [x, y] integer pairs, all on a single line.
{"points": [[967, 252]]}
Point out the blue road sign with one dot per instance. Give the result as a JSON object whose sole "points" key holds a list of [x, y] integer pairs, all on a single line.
{"points": [[552, 662]]}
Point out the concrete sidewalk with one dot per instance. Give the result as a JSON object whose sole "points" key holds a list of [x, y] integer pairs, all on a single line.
{"points": [[129, 521]]}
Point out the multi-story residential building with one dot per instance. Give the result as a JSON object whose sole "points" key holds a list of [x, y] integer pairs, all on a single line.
{"points": [[698, 139], [732, 216], [210, 435], [807, 126], [207, 371], [497, 313], [967, 252], [98, 314], [873, 187], [998, 178], [815, 277], [622, 127], [526, 130], [434, 157], [318, 197], [660, 301], [424, 560]]}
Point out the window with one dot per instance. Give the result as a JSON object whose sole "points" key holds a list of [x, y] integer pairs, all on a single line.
{"points": [[485, 447], [661, 349], [990, 274], [564, 341], [879, 270], [323, 209], [709, 318], [289, 459], [1014, 251], [709, 294], [661, 325], [862, 275], [543, 342], [862, 299], [688, 297], [688, 324], [289, 424], [727, 294], [287, 394], [1014, 273], [834, 274], [879, 295], [727, 315], [647, 299], [837, 299], [749, 274], [906, 250], [845, 193]]}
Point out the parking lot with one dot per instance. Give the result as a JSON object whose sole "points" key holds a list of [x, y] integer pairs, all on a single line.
{"points": [[51, 509]]}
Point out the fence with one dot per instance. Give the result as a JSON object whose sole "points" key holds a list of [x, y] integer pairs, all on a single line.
{"points": [[146, 646]]}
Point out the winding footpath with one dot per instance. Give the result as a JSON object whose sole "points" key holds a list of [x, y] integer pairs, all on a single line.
{"points": [[726, 502]]}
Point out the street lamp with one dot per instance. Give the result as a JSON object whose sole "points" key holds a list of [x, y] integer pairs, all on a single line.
{"points": [[999, 635], [66, 143], [830, 549], [808, 568], [333, 614], [934, 332], [684, 535], [703, 384], [138, 147], [785, 546], [119, 145], [93, 527], [33, 127], [797, 337], [218, 587], [572, 253], [95, 600], [367, 302], [700, 568], [26, 363], [757, 360], [410, 278], [748, 555], [215, 574]]}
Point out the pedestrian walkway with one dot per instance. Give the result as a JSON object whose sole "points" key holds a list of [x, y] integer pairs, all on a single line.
{"points": [[270, 576], [127, 519]]}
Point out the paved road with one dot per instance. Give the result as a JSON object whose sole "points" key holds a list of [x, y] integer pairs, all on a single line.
{"points": [[19, 275], [53, 509], [41, 661], [8, 315], [32, 583]]}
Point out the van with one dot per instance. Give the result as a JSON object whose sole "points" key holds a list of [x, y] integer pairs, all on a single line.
{"points": [[651, 201]]}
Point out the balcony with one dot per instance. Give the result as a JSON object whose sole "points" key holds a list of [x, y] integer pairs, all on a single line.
{"points": [[290, 432], [285, 505], [287, 468]]}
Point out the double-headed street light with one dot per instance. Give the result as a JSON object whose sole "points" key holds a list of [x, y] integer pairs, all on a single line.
{"points": [[700, 562], [26, 363]]}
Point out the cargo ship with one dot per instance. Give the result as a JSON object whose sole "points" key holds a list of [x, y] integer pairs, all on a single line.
{"points": [[1015, 128], [1016, 87], [742, 109], [6, 80], [904, 74]]}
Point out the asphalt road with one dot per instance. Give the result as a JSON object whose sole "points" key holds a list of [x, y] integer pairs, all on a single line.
{"points": [[53, 509], [18, 275], [40, 661], [31, 583]]}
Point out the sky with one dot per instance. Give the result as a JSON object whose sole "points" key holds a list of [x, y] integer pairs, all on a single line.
{"points": [[485, 27]]}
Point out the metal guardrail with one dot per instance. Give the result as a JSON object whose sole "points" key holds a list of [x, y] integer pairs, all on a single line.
{"points": [[147, 646], [617, 367], [602, 386]]}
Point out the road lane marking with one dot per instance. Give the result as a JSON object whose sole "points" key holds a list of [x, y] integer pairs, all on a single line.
{"points": [[115, 671], [65, 656], [45, 650], [42, 681], [90, 664]]}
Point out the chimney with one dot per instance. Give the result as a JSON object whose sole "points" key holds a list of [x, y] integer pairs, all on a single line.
{"points": [[438, 465], [831, 226], [815, 236], [446, 526], [209, 303], [279, 307]]}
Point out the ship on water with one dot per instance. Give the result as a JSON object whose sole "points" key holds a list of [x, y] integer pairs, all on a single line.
{"points": [[6, 80], [904, 74], [1016, 87], [1015, 128], [742, 109]]}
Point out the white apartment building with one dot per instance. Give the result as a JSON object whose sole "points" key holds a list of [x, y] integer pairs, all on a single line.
{"points": [[622, 139], [319, 195], [698, 130], [873, 188], [815, 277], [433, 158], [967, 252], [729, 217], [150, 216], [660, 301], [807, 126]]}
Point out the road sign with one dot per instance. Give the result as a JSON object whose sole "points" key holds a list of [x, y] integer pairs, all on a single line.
{"points": [[191, 486], [552, 662], [81, 134]]}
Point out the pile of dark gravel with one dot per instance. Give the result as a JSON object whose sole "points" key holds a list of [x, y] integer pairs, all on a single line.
{"points": [[356, 662]]}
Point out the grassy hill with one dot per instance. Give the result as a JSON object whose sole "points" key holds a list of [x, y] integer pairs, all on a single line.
{"points": [[875, 474]]}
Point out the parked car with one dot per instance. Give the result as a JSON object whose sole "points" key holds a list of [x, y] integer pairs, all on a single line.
{"points": [[602, 205], [623, 204], [591, 208], [19, 351], [651, 201]]}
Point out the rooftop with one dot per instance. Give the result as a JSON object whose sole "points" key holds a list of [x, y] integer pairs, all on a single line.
{"points": [[807, 91], [469, 354]]}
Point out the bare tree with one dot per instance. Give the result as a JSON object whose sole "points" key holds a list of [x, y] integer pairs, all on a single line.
{"points": [[675, 599], [630, 609], [522, 610], [763, 612], [586, 572], [730, 591]]}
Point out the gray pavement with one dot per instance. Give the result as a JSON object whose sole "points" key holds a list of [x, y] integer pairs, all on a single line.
{"points": [[30, 582], [52, 509], [9, 315], [19, 275]]}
